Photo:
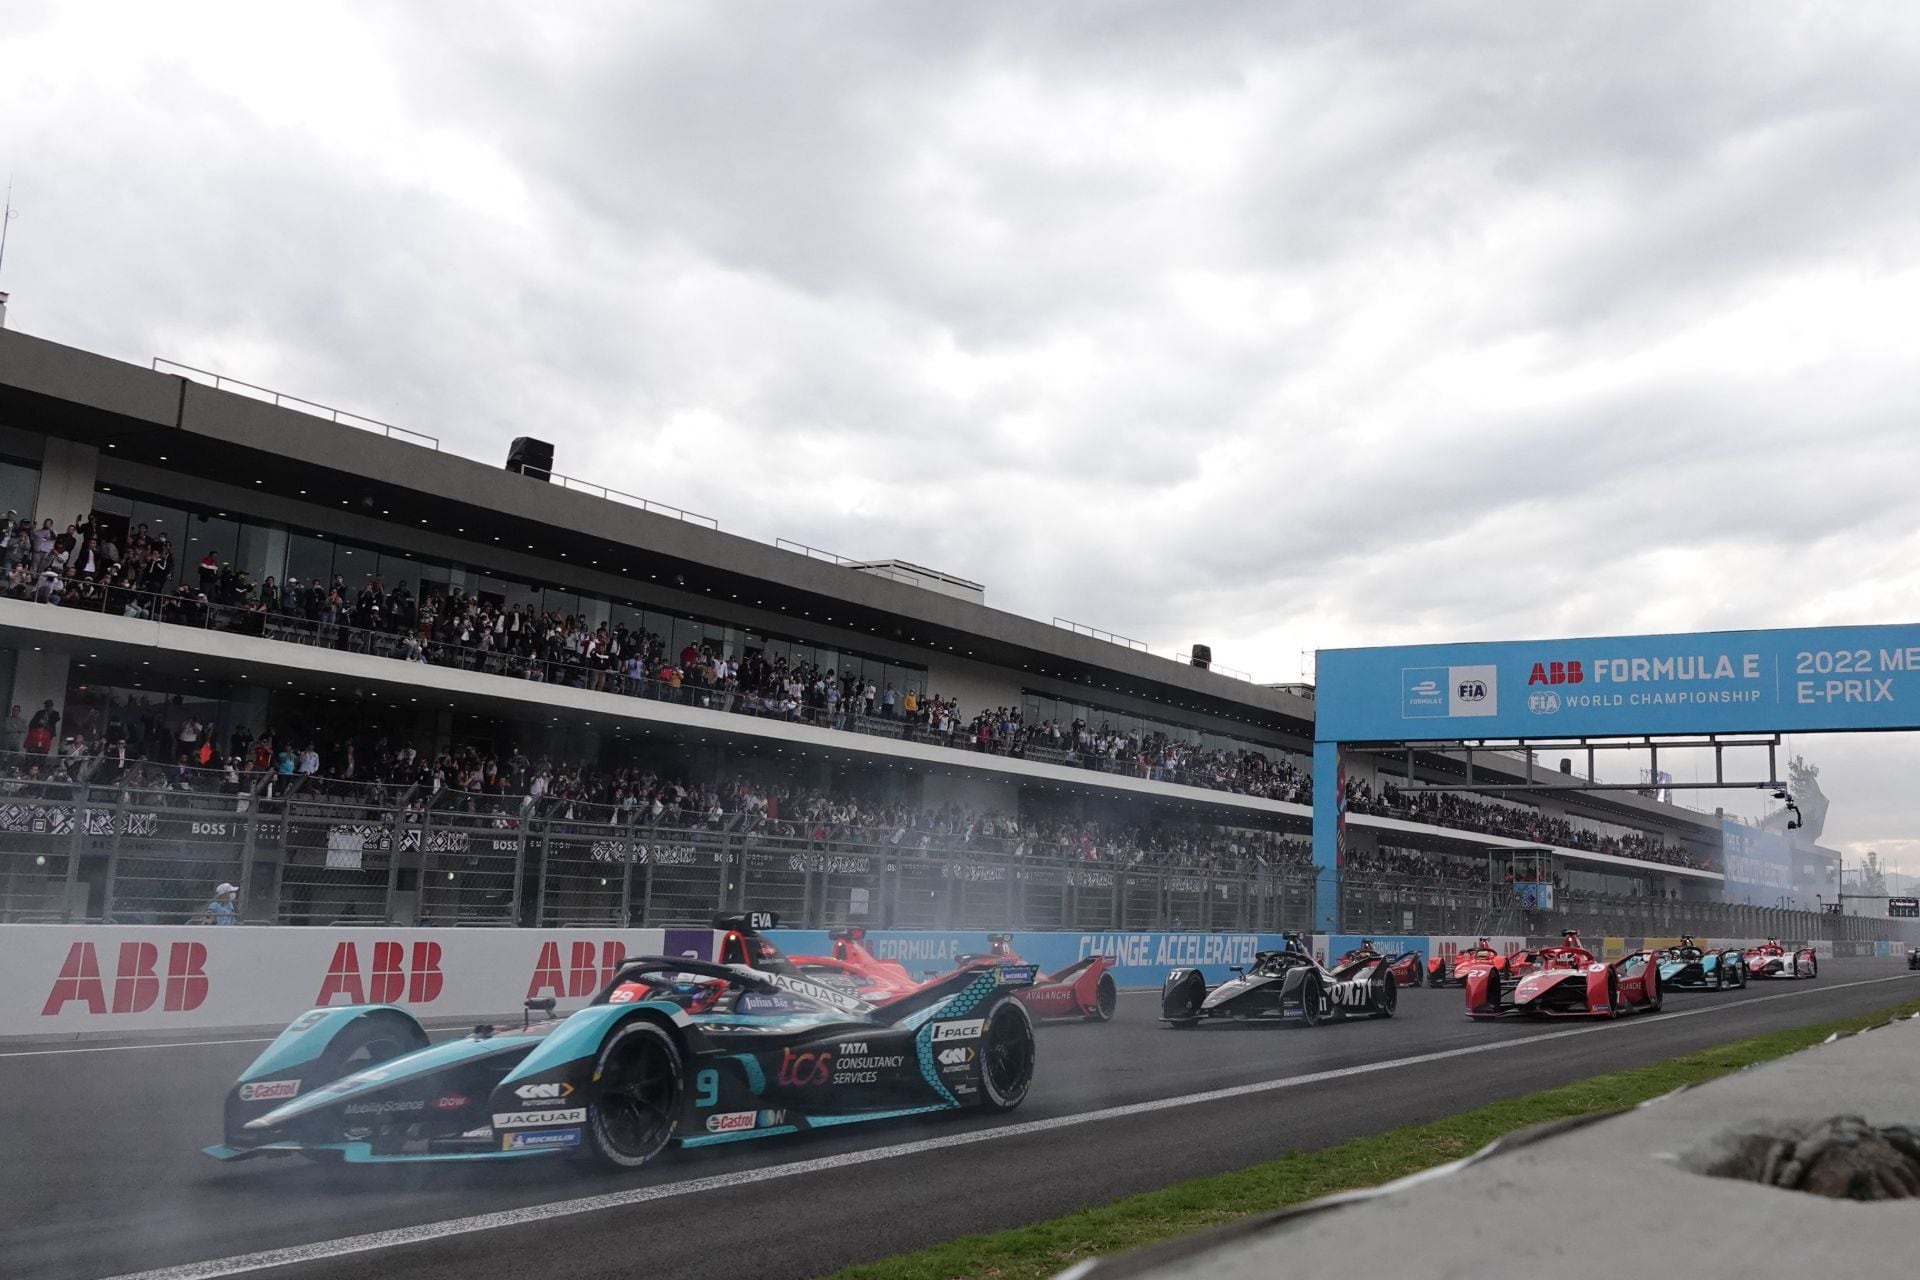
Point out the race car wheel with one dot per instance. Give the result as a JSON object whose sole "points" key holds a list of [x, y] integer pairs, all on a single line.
{"points": [[1106, 999], [1613, 994], [1813, 966], [1389, 998], [1310, 1002], [637, 1100], [1006, 1055], [1656, 994], [1416, 976], [368, 1042]]}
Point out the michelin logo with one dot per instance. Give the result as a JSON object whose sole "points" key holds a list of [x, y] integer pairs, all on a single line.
{"points": [[1431, 692]]}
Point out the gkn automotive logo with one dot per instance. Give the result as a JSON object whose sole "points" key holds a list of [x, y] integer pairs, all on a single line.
{"points": [[958, 1056], [543, 1093]]}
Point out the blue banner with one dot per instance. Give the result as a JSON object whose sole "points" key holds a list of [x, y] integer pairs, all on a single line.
{"points": [[1805, 680], [1140, 959]]}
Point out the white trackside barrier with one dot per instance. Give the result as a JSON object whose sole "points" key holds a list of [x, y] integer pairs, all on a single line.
{"points": [[63, 979]]}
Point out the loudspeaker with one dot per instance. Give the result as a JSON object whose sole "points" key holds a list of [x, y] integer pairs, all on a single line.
{"points": [[531, 457], [1203, 656]]}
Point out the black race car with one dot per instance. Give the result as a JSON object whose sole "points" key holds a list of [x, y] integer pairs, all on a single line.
{"points": [[1284, 985], [1913, 957], [670, 1051]]}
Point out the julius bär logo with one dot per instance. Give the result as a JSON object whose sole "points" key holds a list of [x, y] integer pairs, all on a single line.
{"points": [[1556, 673]]}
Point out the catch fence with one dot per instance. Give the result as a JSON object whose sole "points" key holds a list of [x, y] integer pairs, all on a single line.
{"points": [[139, 846]]}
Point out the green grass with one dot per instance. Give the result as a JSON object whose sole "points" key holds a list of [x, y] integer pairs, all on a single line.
{"points": [[1047, 1247]]}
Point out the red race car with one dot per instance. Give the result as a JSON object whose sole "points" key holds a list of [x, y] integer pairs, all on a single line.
{"points": [[1444, 973], [1084, 989], [1569, 982], [1405, 967], [1771, 960]]}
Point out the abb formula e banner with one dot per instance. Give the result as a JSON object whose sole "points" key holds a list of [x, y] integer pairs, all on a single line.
{"points": [[91, 978], [1804, 680]]}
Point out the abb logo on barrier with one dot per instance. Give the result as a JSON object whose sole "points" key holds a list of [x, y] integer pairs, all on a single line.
{"points": [[587, 968], [1556, 673], [136, 982], [389, 980]]}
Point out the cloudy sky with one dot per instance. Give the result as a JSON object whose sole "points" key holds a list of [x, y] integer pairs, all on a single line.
{"points": [[1267, 325]]}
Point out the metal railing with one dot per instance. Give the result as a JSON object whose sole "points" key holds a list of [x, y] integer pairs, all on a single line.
{"points": [[114, 846], [632, 500], [1095, 633], [846, 562], [221, 382]]}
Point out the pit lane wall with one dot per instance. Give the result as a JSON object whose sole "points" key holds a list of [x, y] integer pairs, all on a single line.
{"points": [[93, 979]]}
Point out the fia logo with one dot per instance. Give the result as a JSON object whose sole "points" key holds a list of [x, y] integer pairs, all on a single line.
{"points": [[1543, 704], [1473, 691]]}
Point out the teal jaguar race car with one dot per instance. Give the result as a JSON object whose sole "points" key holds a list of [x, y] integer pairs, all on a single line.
{"points": [[672, 1051], [1691, 967]]}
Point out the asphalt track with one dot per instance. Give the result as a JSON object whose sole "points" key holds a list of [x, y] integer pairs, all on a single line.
{"points": [[102, 1175]]}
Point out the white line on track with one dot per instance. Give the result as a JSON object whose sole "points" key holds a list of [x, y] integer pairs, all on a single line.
{"points": [[323, 1250]]}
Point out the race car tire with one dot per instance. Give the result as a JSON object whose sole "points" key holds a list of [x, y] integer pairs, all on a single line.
{"points": [[1613, 994], [1184, 1024], [640, 1074], [1106, 999], [1310, 1003], [1006, 1055], [1656, 994], [1813, 967], [367, 1042], [1389, 999]]}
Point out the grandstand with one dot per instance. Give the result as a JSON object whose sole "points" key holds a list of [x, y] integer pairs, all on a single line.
{"points": [[257, 641]]}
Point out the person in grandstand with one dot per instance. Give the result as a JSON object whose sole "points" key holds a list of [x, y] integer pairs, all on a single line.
{"points": [[223, 910]]}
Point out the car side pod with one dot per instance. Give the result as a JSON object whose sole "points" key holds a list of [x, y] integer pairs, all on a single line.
{"points": [[1180, 997]]}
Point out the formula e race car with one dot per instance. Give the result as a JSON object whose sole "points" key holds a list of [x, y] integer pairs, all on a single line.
{"points": [[1405, 966], [1771, 960], [1691, 967], [1569, 982], [1442, 972], [1913, 957], [1284, 985], [1084, 989], [670, 1050]]}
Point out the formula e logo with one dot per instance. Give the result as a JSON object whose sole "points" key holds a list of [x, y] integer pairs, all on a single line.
{"points": [[1543, 704], [1556, 673], [1428, 688], [543, 1092], [1473, 691], [957, 1056]]}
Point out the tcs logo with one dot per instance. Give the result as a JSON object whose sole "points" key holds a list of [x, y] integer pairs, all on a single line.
{"points": [[800, 1070], [1556, 673]]}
